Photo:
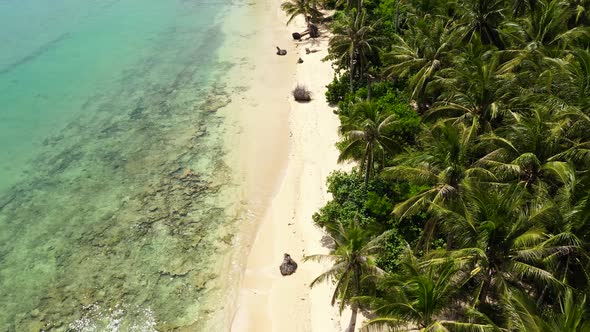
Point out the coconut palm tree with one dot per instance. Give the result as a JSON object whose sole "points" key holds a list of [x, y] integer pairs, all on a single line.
{"points": [[307, 8], [443, 163], [537, 152], [482, 17], [502, 241], [568, 256], [575, 87], [367, 136], [421, 8], [421, 53], [352, 43], [350, 4], [500, 169], [537, 46], [353, 264], [569, 316], [521, 7], [541, 36], [419, 295], [475, 89]]}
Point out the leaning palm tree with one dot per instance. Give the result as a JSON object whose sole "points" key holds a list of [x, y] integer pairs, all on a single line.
{"points": [[307, 8], [353, 264], [367, 130], [352, 44]]}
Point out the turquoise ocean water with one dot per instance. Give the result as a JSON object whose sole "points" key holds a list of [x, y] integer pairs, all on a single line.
{"points": [[113, 188]]}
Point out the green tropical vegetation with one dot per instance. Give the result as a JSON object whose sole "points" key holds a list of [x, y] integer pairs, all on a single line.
{"points": [[307, 8], [468, 123]]}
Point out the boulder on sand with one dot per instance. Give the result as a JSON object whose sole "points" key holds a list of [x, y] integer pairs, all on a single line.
{"points": [[288, 266]]}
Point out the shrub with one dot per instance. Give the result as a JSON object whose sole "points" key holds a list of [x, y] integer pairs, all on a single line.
{"points": [[301, 93], [337, 89], [371, 207], [389, 100]]}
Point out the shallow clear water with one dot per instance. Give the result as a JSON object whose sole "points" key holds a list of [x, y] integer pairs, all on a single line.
{"points": [[112, 180]]}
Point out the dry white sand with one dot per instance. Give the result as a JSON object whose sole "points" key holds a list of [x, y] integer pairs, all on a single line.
{"points": [[286, 150]]}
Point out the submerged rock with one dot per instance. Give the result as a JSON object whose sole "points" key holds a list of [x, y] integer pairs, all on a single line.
{"points": [[288, 266], [177, 267]]}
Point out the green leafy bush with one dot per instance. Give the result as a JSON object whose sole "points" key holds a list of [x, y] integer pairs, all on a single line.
{"points": [[390, 100], [337, 89], [372, 208]]}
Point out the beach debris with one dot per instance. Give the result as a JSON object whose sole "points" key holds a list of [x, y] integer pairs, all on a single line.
{"points": [[288, 266], [281, 51], [300, 60], [307, 50], [312, 30], [301, 93]]}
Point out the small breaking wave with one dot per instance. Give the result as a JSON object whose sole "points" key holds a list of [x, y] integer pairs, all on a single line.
{"points": [[115, 319]]}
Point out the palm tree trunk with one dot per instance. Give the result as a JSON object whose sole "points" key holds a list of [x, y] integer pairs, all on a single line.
{"points": [[354, 306], [351, 72], [485, 289], [369, 165], [396, 15], [540, 300], [367, 169], [352, 323], [368, 87]]}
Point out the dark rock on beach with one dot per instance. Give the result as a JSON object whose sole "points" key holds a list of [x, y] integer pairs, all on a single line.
{"points": [[281, 51], [288, 266]]}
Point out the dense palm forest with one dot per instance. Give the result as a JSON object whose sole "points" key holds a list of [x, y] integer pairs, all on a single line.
{"points": [[469, 125]]}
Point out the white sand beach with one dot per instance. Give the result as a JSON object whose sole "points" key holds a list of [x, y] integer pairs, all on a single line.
{"points": [[286, 150]]}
